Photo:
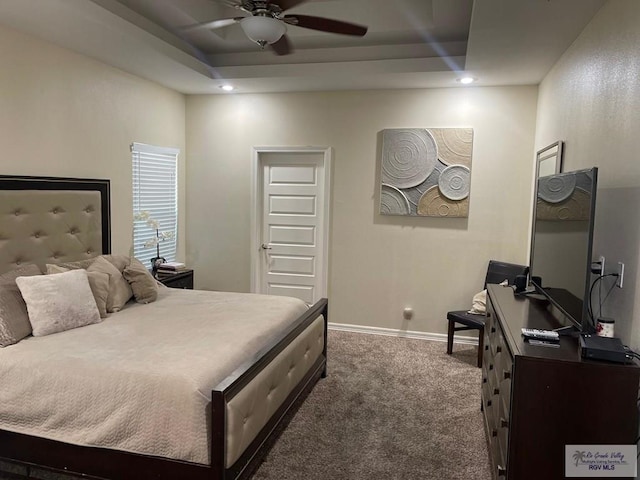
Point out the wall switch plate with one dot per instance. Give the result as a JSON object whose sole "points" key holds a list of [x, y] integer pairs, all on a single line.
{"points": [[620, 277]]}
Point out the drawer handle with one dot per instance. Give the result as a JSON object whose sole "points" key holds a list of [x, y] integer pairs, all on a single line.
{"points": [[484, 379], [498, 349], [488, 403], [507, 374], [491, 366], [486, 347], [504, 423], [494, 433], [496, 391], [502, 472]]}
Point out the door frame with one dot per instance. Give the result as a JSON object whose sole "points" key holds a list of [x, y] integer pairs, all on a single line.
{"points": [[256, 209]]}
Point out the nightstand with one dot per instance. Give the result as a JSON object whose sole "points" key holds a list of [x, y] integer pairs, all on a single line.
{"points": [[183, 279]]}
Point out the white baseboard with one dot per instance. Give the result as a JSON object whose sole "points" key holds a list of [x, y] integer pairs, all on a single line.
{"points": [[392, 332]]}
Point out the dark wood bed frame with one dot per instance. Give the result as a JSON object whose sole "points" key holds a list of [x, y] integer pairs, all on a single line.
{"points": [[103, 463]]}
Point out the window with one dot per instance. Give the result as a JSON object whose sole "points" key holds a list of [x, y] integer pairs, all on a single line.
{"points": [[155, 198]]}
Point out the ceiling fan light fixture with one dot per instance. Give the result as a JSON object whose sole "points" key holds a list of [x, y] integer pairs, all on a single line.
{"points": [[263, 30]]}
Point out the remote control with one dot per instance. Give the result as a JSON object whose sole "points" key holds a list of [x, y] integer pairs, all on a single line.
{"points": [[543, 343], [546, 335]]}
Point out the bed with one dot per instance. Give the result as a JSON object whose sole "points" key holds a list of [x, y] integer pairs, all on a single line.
{"points": [[148, 354]]}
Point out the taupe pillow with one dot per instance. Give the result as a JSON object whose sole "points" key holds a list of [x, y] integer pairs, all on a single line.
{"points": [[118, 261], [77, 265], [14, 319], [58, 302], [98, 281], [145, 289], [119, 290]]}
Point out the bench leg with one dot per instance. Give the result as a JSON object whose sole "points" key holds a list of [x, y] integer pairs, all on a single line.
{"points": [[450, 337]]}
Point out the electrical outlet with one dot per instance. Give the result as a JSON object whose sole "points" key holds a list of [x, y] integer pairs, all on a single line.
{"points": [[620, 277]]}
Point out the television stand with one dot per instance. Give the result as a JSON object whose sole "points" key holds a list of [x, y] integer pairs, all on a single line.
{"points": [[530, 293], [526, 292]]}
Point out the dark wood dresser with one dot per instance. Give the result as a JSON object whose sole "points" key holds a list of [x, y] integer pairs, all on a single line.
{"points": [[537, 399]]}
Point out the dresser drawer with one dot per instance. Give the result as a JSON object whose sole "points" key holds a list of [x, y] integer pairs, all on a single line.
{"points": [[489, 372], [503, 420], [496, 392], [505, 373], [498, 344], [490, 408]]}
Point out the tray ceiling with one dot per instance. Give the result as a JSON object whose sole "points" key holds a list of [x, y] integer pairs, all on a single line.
{"points": [[410, 43]]}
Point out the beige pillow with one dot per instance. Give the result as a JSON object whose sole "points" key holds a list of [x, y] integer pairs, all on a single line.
{"points": [[145, 289], [98, 281], [14, 319], [119, 290], [58, 302], [479, 303], [119, 261]]}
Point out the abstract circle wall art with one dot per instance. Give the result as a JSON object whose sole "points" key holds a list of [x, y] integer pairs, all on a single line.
{"points": [[409, 157], [433, 204], [393, 201], [426, 172], [454, 182]]}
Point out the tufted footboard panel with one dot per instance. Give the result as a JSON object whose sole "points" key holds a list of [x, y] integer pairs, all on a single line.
{"points": [[249, 411]]}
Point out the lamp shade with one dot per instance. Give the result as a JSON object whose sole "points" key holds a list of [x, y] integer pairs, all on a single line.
{"points": [[263, 30]]}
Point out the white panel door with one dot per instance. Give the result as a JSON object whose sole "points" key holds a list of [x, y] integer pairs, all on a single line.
{"points": [[292, 238]]}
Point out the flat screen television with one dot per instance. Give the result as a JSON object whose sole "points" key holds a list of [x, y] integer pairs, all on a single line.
{"points": [[562, 242]]}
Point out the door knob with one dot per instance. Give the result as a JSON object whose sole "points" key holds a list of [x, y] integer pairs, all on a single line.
{"points": [[265, 247]]}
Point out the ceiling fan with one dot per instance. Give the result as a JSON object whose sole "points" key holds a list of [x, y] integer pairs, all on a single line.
{"points": [[266, 23]]}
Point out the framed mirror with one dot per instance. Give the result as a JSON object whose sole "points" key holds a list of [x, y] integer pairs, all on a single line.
{"points": [[548, 162], [549, 159]]}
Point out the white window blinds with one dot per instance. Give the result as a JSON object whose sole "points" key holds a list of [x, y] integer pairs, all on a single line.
{"points": [[155, 202]]}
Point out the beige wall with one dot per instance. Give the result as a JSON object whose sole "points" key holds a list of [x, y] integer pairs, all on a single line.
{"points": [[591, 100], [63, 114], [378, 265]]}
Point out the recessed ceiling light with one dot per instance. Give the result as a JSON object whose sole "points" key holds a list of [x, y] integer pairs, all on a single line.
{"points": [[466, 80], [227, 88]]}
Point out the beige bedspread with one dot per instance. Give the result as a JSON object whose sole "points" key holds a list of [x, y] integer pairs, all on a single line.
{"points": [[141, 380]]}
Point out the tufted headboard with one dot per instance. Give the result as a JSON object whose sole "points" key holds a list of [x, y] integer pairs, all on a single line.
{"points": [[52, 220]]}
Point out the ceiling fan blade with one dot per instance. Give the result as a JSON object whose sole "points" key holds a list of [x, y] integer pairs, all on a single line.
{"points": [[326, 25], [282, 46], [287, 4], [234, 4], [223, 22], [230, 3]]}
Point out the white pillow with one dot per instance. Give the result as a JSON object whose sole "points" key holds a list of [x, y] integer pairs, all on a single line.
{"points": [[58, 302], [98, 281]]}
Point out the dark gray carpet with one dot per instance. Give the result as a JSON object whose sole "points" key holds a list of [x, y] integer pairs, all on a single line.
{"points": [[391, 408]]}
